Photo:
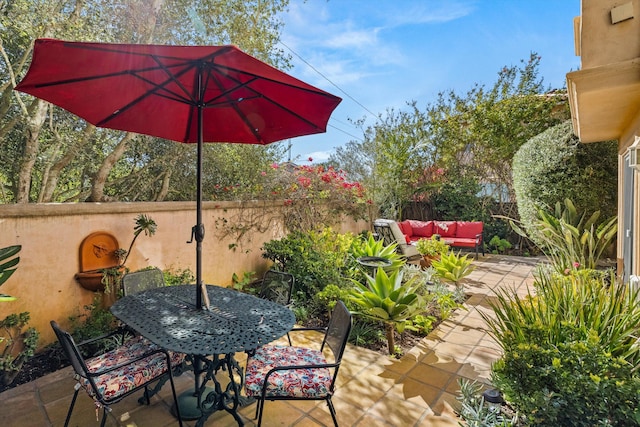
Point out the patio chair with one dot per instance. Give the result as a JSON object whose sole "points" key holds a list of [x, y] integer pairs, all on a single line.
{"points": [[142, 280], [389, 232], [295, 373], [111, 376], [276, 286]]}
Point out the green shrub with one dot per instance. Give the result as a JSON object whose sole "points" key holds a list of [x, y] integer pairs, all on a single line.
{"points": [[554, 165], [458, 200], [365, 332], [570, 355], [316, 259], [173, 277], [17, 345], [498, 245], [330, 295], [570, 239]]}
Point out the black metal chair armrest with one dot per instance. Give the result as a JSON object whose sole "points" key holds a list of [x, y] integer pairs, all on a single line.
{"points": [[120, 330]]}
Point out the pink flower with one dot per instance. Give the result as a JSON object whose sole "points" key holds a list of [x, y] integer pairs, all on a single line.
{"points": [[275, 165], [263, 173], [576, 264]]}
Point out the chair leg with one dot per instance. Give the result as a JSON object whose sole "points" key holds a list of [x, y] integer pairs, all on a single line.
{"points": [[73, 402], [333, 411], [261, 402], [258, 401], [175, 397], [104, 416]]}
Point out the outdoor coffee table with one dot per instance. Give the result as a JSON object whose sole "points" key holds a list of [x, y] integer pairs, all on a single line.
{"points": [[235, 322]]}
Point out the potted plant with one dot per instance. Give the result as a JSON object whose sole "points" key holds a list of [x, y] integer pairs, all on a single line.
{"points": [[17, 344], [431, 249]]}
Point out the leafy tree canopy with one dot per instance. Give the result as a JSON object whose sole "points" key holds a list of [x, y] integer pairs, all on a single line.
{"points": [[51, 155]]}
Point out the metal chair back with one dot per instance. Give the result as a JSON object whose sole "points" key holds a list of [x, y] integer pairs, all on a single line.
{"points": [[277, 286], [337, 333], [142, 280], [72, 352]]}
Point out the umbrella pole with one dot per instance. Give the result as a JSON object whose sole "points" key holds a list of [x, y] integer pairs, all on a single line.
{"points": [[199, 228]]}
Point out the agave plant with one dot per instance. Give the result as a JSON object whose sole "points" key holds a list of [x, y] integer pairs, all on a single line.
{"points": [[453, 267], [388, 299], [8, 266], [569, 238], [376, 248]]}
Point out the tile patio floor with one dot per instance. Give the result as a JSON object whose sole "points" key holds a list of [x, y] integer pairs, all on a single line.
{"points": [[373, 390]]}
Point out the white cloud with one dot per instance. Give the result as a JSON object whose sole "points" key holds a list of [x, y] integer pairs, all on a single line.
{"points": [[317, 156]]}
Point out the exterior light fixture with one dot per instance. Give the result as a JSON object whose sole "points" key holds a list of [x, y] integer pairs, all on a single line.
{"points": [[634, 156]]}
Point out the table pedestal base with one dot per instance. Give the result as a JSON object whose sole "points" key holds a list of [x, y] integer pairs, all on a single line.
{"points": [[188, 402], [200, 402]]}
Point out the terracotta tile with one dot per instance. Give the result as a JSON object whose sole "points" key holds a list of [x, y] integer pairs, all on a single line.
{"points": [[441, 361], [370, 420], [346, 413], [398, 412], [414, 391], [356, 394], [429, 375]]}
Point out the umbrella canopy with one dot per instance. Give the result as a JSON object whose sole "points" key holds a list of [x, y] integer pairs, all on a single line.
{"points": [[190, 94]]}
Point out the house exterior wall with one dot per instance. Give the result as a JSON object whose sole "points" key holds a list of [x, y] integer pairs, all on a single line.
{"points": [[605, 94], [50, 235], [603, 42]]}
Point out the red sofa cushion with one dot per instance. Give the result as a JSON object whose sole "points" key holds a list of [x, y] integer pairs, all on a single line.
{"points": [[460, 242], [422, 228], [445, 228], [405, 226], [468, 230]]}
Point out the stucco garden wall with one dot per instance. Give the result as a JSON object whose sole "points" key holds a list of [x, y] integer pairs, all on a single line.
{"points": [[50, 235]]}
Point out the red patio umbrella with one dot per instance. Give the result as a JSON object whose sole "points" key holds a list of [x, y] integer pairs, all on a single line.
{"points": [[190, 94]]}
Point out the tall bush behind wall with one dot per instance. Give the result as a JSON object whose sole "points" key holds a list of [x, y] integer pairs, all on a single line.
{"points": [[554, 165]]}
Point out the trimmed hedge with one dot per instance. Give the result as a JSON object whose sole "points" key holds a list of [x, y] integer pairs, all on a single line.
{"points": [[554, 165]]}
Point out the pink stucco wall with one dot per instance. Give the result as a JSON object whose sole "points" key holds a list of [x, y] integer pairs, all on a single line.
{"points": [[50, 235]]}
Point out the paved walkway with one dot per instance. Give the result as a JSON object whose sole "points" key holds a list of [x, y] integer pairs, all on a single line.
{"points": [[373, 390]]}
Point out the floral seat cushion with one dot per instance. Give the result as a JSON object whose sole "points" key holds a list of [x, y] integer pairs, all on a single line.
{"points": [[118, 382], [314, 383]]}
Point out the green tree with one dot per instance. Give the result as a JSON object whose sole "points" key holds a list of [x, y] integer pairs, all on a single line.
{"points": [[470, 138], [51, 155], [555, 166]]}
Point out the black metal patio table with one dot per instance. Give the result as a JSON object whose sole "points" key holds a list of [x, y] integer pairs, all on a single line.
{"points": [[234, 322]]}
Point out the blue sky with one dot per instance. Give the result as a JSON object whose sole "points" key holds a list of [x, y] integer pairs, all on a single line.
{"points": [[381, 54]]}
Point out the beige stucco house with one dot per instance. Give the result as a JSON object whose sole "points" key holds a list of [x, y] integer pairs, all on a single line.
{"points": [[604, 96]]}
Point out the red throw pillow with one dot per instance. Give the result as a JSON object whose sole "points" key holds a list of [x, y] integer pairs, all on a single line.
{"points": [[422, 228], [468, 230], [445, 228], [405, 226]]}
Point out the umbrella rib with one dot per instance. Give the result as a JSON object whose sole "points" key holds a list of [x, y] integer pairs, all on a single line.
{"points": [[233, 103], [157, 87]]}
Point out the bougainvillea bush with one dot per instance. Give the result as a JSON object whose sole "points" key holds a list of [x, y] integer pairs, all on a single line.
{"points": [[313, 196]]}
